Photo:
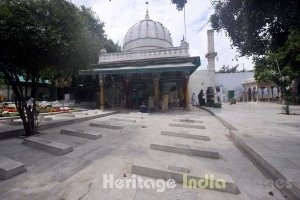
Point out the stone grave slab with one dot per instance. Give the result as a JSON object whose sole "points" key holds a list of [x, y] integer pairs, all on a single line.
{"points": [[48, 145], [122, 119], [81, 113], [211, 181], [185, 135], [131, 116], [187, 120], [11, 122], [9, 167], [81, 133], [186, 150], [66, 115], [108, 126], [187, 125], [178, 169]]}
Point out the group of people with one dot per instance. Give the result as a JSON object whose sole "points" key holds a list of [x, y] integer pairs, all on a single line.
{"points": [[201, 100], [166, 103]]}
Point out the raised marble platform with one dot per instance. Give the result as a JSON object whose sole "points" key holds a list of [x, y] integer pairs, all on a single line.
{"points": [[81, 133], [48, 145], [108, 126], [203, 180], [187, 125], [9, 167], [186, 150], [185, 135], [122, 119]]}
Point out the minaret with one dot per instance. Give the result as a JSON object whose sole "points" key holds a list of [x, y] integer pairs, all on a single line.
{"points": [[211, 54]]}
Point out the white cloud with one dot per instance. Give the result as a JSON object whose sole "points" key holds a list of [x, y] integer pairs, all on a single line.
{"points": [[120, 15]]}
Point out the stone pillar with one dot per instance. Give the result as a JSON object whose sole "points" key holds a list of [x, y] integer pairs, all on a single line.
{"points": [[126, 90], [268, 90], [272, 92], [243, 94], [253, 94], [102, 97], [257, 94], [187, 95], [156, 90]]}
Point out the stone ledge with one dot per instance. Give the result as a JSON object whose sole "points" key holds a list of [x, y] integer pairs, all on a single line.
{"points": [[188, 179], [48, 145], [109, 126], [187, 125], [9, 168], [185, 135], [185, 151], [187, 120], [81, 133], [123, 120]]}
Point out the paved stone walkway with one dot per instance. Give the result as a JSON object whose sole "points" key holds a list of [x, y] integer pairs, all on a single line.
{"points": [[79, 174], [272, 138]]}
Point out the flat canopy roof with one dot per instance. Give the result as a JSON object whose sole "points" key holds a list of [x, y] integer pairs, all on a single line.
{"points": [[142, 69], [189, 65]]}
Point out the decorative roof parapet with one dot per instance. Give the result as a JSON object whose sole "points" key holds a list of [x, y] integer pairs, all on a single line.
{"points": [[182, 51]]}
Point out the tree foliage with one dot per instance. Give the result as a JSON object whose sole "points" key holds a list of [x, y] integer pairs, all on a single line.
{"points": [[266, 30], [256, 27], [179, 3], [44, 38], [228, 69], [283, 65]]}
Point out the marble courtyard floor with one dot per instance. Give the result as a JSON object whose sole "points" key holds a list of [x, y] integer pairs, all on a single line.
{"points": [[270, 138], [126, 141]]}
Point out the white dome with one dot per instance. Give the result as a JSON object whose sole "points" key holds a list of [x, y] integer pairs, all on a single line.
{"points": [[147, 34]]}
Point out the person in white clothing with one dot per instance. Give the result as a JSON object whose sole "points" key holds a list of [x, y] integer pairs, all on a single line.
{"points": [[194, 99]]}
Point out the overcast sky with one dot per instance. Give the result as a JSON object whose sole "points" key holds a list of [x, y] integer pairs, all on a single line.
{"points": [[120, 15]]}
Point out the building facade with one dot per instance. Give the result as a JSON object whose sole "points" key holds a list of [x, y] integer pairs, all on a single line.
{"points": [[149, 67]]}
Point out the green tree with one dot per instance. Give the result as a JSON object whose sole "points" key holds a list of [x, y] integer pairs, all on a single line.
{"points": [[266, 30], [40, 36]]}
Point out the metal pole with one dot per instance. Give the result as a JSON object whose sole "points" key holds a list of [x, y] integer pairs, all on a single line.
{"points": [[184, 23]]}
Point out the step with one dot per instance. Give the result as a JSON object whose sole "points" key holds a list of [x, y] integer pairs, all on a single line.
{"points": [[211, 181], [108, 126], [81, 133], [122, 120], [186, 150], [185, 135], [48, 145], [9, 167], [187, 125]]}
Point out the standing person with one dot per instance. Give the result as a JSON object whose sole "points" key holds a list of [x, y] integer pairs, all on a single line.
{"points": [[135, 99], [194, 99], [200, 98]]}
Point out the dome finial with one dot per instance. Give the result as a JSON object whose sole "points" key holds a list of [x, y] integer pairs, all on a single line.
{"points": [[147, 13]]}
